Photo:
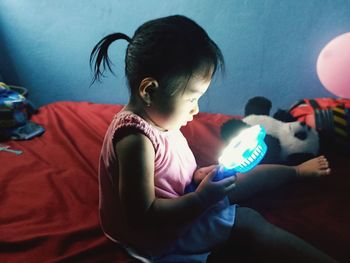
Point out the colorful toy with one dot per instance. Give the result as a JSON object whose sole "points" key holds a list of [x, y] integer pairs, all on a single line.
{"points": [[15, 113], [289, 141], [243, 152]]}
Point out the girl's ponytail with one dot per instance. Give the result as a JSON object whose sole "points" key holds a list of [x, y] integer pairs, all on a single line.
{"points": [[100, 54]]}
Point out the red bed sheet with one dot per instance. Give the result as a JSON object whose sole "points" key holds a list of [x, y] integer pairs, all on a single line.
{"points": [[49, 194]]}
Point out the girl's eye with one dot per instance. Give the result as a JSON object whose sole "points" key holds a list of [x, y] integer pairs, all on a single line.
{"points": [[192, 100]]}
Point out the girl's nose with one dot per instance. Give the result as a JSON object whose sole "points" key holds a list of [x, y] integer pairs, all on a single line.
{"points": [[195, 110]]}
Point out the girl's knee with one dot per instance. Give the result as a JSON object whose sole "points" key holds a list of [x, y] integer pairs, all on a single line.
{"points": [[248, 213], [247, 227], [248, 219]]}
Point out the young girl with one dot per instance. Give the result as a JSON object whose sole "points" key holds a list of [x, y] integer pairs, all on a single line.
{"points": [[146, 164]]}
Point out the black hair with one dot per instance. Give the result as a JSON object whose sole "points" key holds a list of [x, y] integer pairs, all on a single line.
{"points": [[166, 49]]}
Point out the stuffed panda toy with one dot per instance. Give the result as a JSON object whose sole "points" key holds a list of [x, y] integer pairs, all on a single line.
{"points": [[288, 141]]}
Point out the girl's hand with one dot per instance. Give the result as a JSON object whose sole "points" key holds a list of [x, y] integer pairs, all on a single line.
{"points": [[202, 172], [210, 192]]}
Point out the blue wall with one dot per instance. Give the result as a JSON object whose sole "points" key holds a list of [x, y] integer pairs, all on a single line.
{"points": [[270, 46]]}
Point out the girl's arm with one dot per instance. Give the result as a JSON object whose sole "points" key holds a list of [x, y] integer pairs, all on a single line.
{"points": [[137, 194]]}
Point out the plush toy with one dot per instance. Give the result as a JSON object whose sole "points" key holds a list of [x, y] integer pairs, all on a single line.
{"points": [[289, 141]]}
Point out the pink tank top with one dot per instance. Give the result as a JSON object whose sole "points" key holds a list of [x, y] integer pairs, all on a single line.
{"points": [[174, 167]]}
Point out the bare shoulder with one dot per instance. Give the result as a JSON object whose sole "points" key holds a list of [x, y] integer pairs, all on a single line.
{"points": [[132, 142], [135, 150]]}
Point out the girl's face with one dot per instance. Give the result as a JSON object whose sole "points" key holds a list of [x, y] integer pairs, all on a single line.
{"points": [[170, 111]]}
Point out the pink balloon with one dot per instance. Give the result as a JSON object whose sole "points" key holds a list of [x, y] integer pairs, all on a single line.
{"points": [[333, 66]]}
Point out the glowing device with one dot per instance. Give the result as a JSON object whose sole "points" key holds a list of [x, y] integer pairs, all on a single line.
{"points": [[242, 153]]}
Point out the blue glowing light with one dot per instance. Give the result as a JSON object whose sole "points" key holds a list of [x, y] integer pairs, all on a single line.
{"points": [[243, 152]]}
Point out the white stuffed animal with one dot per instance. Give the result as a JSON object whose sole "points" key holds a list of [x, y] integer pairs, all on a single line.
{"points": [[294, 137]]}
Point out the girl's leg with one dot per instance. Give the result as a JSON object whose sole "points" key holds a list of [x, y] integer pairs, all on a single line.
{"points": [[253, 239], [270, 176]]}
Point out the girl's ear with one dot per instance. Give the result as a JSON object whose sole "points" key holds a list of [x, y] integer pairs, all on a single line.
{"points": [[146, 89]]}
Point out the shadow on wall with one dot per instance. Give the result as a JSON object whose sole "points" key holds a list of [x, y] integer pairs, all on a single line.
{"points": [[8, 73]]}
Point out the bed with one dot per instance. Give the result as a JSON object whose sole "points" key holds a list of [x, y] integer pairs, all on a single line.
{"points": [[49, 193]]}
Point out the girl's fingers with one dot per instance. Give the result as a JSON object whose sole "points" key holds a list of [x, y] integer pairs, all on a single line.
{"points": [[210, 175], [208, 168], [228, 181], [229, 188]]}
